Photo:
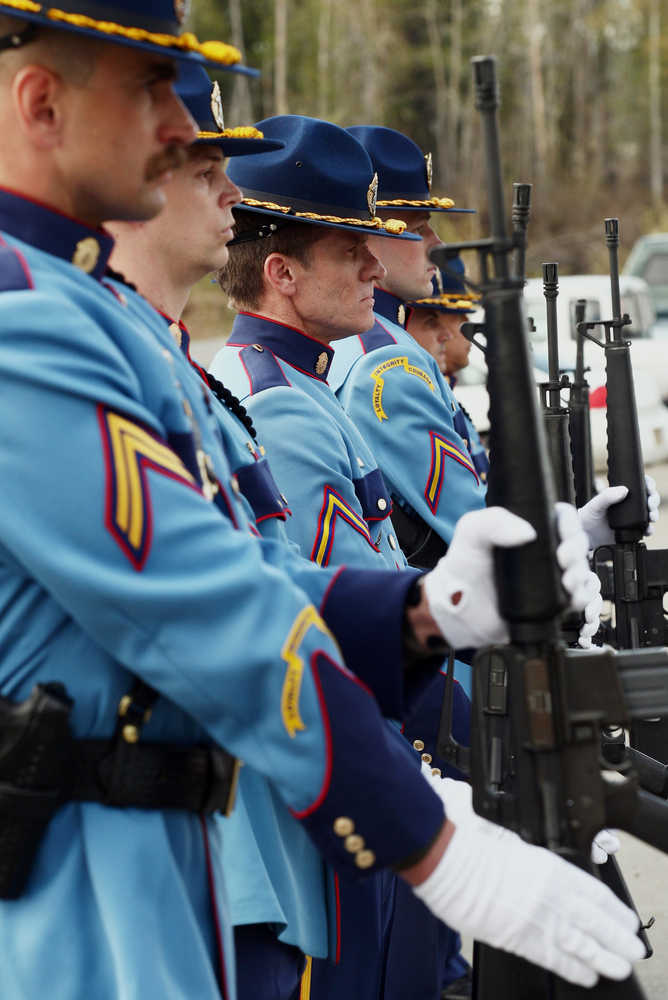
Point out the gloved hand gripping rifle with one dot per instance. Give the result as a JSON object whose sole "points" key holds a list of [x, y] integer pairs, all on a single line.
{"points": [[538, 707]]}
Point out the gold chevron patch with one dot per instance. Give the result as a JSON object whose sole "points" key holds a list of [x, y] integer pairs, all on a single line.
{"points": [[379, 381], [130, 450]]}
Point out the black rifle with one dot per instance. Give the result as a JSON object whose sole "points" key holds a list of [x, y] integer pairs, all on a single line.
{"points": [[520, 214], [633, 577], [538, 707], [579, 419], [556, 418]]}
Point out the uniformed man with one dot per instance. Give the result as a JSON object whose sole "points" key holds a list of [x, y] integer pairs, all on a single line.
{"points": [[276, 884], [124, 555], [302, 275], [435, 322]]}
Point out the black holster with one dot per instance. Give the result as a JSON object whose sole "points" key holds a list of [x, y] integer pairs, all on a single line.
{"points": [[35, 750], [42, 767]]}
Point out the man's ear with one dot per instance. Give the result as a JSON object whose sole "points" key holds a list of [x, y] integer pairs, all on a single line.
{"points": [[37, 92], [279, 272]]}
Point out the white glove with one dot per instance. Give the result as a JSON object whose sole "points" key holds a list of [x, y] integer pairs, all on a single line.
{"points": [[653, 502], [456, 797], [583, 586], [460, 589], [528, 901], [604, 844], [594, 515], [592, 613]]}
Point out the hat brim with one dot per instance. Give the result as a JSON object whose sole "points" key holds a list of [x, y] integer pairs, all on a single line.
{"points": [[349, 227], [241, 147], [203, 54]]}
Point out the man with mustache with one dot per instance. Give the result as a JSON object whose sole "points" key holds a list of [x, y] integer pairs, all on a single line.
{"points": [[128, 575]]}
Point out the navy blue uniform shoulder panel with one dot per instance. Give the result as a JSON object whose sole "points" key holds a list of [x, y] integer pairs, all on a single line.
{"points": [[376, 337], [262, 368], [14, 271]]}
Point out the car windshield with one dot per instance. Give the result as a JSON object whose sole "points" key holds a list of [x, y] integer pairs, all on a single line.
{"points": [[656, 269]]}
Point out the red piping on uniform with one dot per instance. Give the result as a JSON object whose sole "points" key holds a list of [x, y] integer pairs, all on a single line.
{"points": [[221, 976], [337, 890], [22, 261], [329, 588], [322, 795]]}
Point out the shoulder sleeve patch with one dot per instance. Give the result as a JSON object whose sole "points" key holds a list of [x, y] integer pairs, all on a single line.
{"points": [[262, 368], [14, 271]]}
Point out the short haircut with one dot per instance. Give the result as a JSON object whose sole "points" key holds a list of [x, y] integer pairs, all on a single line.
{"points": [[71, 55], [242, 278]]}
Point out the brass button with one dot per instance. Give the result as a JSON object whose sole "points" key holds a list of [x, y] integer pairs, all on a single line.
{"points": [[426, 757], [382, 503], [343, 826], [365, 859], [418, 745], [258, 347], [391, 539], [354, 843], [483, 476], [436, 771]]}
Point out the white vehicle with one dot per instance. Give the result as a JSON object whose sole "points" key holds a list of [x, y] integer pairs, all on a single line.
{"points": [[471, 392], [649, 355]]}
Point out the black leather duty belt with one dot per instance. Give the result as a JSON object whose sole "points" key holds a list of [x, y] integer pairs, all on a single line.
{"points": [[153, 776]]}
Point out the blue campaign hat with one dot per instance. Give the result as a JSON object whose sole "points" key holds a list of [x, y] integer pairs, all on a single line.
{"points": [[404, 171], [152, 25], [450, 293], [203, 100], [322, 176]]}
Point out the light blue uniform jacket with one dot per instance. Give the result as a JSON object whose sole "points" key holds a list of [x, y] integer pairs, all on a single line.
{"points": [[114, 563], [395, 394], [337, 496]]}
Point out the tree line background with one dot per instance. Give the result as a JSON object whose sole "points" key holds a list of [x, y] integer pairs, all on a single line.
{"points": [[583, 106]]}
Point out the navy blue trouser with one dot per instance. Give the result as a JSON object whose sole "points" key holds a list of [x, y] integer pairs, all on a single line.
{"points": [[267, 969]]}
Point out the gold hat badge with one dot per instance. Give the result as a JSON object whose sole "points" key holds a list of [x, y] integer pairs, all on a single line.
{"points": [[217, 106], [372, 194], [181, 9], [430, 168]]}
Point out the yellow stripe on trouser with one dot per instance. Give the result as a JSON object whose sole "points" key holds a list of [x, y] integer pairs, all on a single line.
{"points": [[305, 990]]}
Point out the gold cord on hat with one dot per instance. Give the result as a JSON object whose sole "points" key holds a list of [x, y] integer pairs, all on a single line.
{"points": [[453, 300], [394, 226], [221, 52], [240, 132], [427, 203]]}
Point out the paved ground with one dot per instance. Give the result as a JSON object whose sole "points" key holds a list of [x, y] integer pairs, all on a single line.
{"points": [[646, 869]]}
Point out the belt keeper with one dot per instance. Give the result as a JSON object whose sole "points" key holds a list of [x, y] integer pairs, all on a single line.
{"points": [[136, 716]]}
